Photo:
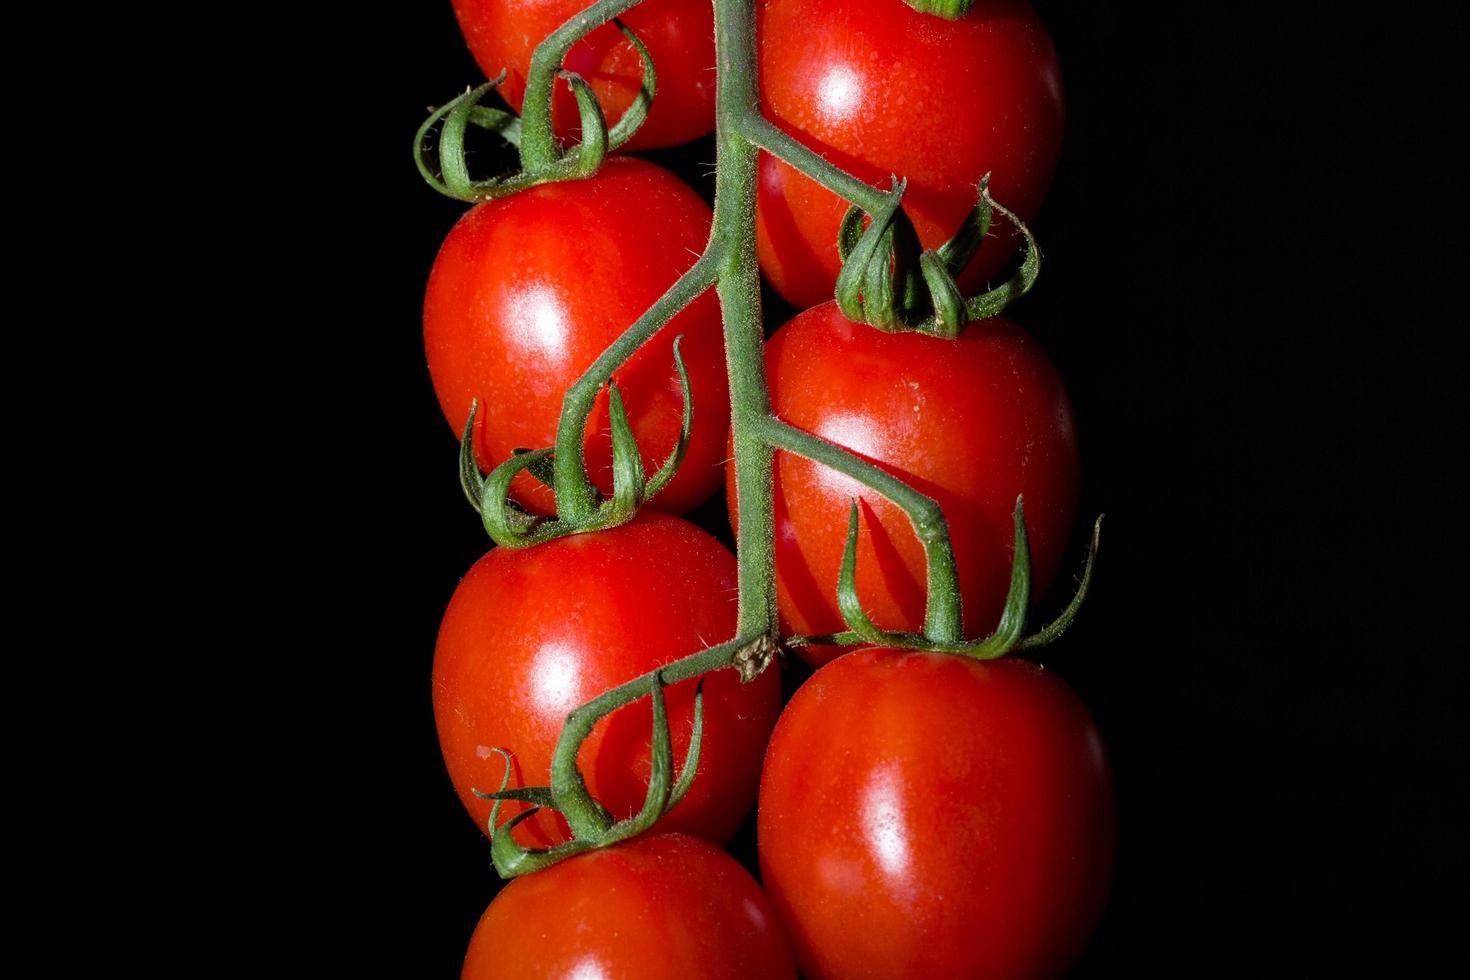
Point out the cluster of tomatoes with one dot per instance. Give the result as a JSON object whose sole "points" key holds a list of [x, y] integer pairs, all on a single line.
{"points": [[920, 814]]}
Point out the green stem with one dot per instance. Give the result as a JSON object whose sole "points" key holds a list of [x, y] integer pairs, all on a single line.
{"points": [[943, 619], [766, 135], [736, 99], [575, 497], [586, 819], [538, 137]]}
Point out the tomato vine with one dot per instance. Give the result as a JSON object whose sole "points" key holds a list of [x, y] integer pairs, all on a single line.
{"points": [[887, 280]]}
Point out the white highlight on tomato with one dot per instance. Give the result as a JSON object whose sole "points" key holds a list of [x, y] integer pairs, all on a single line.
{"points": [[841, 92], [556, 679], [885, 823]]}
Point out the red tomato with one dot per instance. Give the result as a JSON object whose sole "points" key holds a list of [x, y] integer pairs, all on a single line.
{"points": [[666, 907], [532, 634], [528, 290], [878, 89], [679, 35], [971, 422], [927, 815]]}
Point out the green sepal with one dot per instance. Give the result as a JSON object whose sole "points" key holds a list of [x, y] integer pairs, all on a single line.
{"points": [[910, 297], [970, 235], [950, 315], [457, 115], [661, 774], [471, 480], [581, 161], [691, 758], [627, 464], [666, 472], [874, 245], [994, 301], [851, 606], [1007, 637], [849, 232], [451, 140], [504, 782], [506, 523], [506, 125], [637, 112], [948, 9], [539, 796], [880, 283], [541, 469], [846, 638], [1018, 599], [1049, 633], [511, 860], [584, 159]]}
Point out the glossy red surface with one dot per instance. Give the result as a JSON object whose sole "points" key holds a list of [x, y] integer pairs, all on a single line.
{"points": [[527, 291], [666, 907], [971, 422], [880, 89], [679, 35], [532, 634], [926, 815]]}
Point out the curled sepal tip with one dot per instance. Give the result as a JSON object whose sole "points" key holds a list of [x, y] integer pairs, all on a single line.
{"points": [[628, 474], [970, 235], [471, 480], [583, 159], [453, 177], [1049, 633], [637, 112], [1018, 598], [660, 776], [511, 860], [666, 472], [851, 607], [691, 758], [994, 301], [506, 523]]}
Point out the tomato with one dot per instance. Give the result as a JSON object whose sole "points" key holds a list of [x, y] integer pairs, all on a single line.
{"points": [[679, 35], [927, 815], [971, 422], [666, 906], [878, 89], [532, 634], [528, 290]]}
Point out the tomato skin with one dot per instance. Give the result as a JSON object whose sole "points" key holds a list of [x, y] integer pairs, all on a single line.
{"points": [[528, 290], [927, 815], [532, 634], [679, 35], [879, 89], [665, 907], [971, 422]]}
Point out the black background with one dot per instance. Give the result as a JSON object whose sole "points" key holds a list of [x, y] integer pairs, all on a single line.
{"points": [[1253, 257]]}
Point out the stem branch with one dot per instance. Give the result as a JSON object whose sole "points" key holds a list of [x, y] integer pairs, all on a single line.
{"points": [[575, 496], [942, 611], [538, 137], [775, 141]]}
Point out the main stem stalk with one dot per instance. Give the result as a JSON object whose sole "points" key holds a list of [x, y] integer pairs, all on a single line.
{"points": [[736, 101]]}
